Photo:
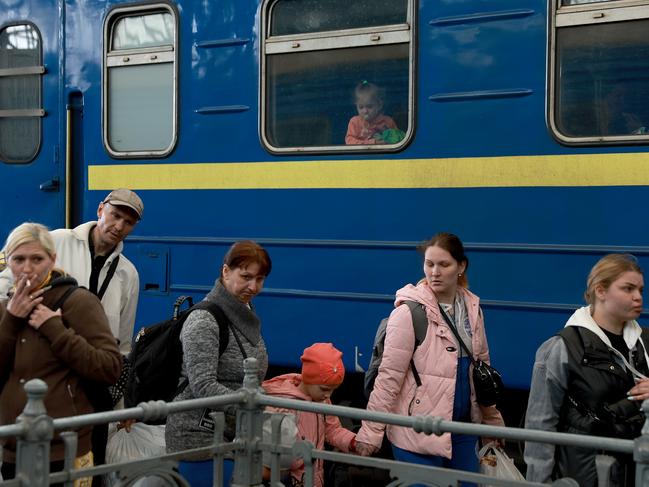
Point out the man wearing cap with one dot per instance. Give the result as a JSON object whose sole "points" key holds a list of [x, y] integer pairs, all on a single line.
{"points": [[92, 254]]}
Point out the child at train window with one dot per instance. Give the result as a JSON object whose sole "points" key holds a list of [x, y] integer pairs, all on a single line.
{"points": [[371, 126], [322, 373]]}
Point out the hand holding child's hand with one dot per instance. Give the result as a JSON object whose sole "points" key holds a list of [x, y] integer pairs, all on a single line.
{"points": [[365, 449]]}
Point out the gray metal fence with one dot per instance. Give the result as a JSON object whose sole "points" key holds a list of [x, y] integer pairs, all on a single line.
{"points": [[34, 430]]}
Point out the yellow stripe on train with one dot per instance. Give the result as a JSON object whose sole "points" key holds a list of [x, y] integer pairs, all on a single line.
{"points": [[551, 170]]}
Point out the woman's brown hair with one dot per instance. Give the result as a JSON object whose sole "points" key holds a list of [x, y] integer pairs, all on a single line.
{"points": [[453, 245], [245, 252]]}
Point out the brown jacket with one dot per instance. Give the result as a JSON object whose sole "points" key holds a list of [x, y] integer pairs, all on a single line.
{"points": [[64, 350]]}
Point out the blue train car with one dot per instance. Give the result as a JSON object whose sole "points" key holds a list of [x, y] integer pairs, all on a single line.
{"points": [[525, 131]]}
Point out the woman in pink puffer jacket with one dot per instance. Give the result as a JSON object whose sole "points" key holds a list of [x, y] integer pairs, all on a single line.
{"points": [[443, 366]]}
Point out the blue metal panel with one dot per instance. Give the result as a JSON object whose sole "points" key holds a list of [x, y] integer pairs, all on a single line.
{"points": [[339, 255]]}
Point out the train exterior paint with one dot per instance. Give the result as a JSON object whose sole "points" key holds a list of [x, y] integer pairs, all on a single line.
{"points": [[229, 117]]}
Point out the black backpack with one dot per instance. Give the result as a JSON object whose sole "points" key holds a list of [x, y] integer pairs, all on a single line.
{"points": [[157, 355], [420, 324]]}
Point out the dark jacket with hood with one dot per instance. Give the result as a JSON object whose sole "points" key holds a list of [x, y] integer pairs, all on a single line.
{"points": [[580, 385], [65, 351]]}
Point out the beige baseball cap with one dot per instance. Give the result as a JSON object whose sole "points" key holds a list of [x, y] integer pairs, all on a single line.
{"points": [[126, 197]]}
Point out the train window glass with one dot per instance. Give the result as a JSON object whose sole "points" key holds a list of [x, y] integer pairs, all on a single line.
{"points": [[303, 16], [20, 93], [313, 93], [600, 87], [342, 90], [144, 31], [140, 93], [580, 2]]}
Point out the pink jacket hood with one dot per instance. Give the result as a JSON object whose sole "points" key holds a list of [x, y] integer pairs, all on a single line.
{"points": [[395, 389], [286, 385], [420, 293]]}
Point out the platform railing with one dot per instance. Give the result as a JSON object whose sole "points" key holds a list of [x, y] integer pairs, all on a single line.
{"points": [[34, 430]]}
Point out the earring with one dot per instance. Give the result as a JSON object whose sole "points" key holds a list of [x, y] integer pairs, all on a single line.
{"points": [[459, 275]]}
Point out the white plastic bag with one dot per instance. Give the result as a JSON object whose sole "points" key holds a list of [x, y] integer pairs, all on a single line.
{"points": [[496, 463], [143, 441], [288, 435]]}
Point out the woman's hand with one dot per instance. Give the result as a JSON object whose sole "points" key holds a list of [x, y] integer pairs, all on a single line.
{"points": [[640, 391], [41, 314], [22, 302], [127, 424], [498, 443], [365, 449]]}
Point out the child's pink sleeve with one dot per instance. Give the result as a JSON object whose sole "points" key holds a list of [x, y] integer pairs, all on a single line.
{"points": [[353, 136], [339, 436]]}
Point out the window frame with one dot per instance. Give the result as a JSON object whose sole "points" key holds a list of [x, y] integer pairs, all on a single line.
{"points": [[139, 57], [30, 112], [566, 16], [337, 39]]}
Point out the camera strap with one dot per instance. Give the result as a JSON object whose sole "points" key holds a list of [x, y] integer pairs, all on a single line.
{"points": [[457, 335]]}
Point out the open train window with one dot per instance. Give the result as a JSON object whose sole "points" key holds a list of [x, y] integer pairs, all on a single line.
{"points": [[337, 75], [599, 75], [20, 92], [140, 81]]}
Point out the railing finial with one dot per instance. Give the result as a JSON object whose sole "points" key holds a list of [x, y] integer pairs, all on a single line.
{"points": [[35, 390]]}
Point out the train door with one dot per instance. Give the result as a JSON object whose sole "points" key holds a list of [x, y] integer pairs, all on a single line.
{"points": [[32, 154]]}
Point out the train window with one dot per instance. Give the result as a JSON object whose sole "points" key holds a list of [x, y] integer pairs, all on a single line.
{"points": [[339, 78], [20, 93], [140, 81], [300, 16], [580, 2], [599, 85]]}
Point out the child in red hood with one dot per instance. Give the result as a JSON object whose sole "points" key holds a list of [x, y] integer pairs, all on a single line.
{"points": [[322, 373]]}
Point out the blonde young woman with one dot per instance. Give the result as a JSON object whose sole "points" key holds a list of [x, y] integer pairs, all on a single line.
{"points": [[64, 346], [591, 378], [446, 389]]}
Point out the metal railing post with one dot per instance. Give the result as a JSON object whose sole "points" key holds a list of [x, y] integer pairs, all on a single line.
{"points": [[33, 446], [250, 419], [641, 451]]}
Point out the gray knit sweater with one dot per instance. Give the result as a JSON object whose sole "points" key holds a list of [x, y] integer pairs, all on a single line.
{"points": [[209, 374]]}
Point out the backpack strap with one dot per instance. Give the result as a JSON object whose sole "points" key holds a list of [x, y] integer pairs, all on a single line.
{"points": [[225, 325], [64, 297], [420, 324]]}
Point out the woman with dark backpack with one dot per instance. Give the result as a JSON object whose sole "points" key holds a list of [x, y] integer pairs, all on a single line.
{"points": [[205, 371], [591, 378]]}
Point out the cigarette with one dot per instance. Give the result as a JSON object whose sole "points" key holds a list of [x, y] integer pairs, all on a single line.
{"points": [[28, 283]]}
